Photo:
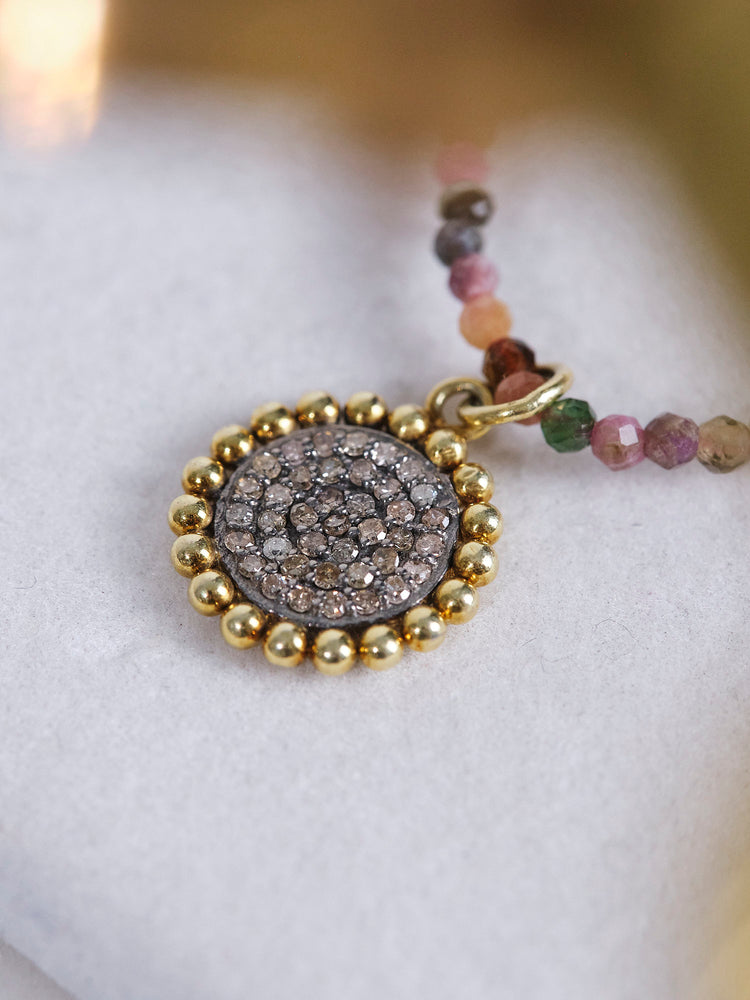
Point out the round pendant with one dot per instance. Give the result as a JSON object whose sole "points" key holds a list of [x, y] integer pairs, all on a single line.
{"points": [[335, 537]]}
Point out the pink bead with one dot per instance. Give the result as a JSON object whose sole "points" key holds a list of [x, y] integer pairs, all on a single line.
{"points": [[618, 442], [516, 386], [472, 276], [462, 161]]}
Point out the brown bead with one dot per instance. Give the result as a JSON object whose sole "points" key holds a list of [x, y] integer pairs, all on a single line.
{"points": [[506, 357], [723, 444]]}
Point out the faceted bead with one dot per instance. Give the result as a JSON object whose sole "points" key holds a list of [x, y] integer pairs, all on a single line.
{"points": [[461, 161], [618, 442], [567, 425], [506, 357], [455, 239], [472, 276], [466, 200], [516, 387], [484, 320], [670, 440], [723, 444]]}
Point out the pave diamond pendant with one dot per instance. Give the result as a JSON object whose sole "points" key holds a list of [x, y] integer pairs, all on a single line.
{"points": [[336, 534]]}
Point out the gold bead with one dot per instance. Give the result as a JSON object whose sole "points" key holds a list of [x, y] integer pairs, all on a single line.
{"points": [[192, 554], [476, 562], [231, 444], [445, 448], [381, 647], [424, 629], [242, 625], [481, 522], [473, 483], [272, 420], [203, 476], [189, 514], [210, 592], [285, 644], [365, 409], [409, 422], [317, 407], [457, 601], [334, 652]]}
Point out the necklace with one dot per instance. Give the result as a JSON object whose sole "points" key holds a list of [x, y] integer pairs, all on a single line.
{"points": [[352, 531]]}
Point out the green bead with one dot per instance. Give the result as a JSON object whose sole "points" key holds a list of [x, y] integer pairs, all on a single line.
{"points": [[567, 425]]}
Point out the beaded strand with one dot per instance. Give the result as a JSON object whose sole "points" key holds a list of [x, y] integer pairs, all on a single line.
{"points": [[510, 369]]}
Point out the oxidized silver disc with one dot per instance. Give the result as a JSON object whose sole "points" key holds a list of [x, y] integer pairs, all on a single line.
{"points": [[336, 525]]}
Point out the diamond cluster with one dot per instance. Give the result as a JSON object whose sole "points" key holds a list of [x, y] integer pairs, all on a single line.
{"points": [[336, 526]]}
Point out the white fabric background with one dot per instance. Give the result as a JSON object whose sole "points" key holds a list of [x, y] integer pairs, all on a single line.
{"points": [[556, 804]]}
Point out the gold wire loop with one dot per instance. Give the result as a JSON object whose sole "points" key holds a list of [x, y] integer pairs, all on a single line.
{"points": [[479, 413]]}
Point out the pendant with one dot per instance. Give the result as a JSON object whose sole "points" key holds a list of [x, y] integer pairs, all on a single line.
{"points": [[342, 534]]}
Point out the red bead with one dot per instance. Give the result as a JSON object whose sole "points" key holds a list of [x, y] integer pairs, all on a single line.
{"points": [[506, 357], [517, 386], [472, 276]]}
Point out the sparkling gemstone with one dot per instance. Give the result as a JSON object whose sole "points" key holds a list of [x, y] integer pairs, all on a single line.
{"points": [[416, 572], [506, 357], [456, 238], [271, 521], [423, 494], [401, 511], [360, 505], [236, 541], [409, 469], [302, 515], [670, 440], [266, 465], [293, 451], [300, 598], [326, 575], [333, 604], [471, 276], [435, 517], [355, 444], [250, 487], [331, 469], [385, 559], [567, 425], [386, 488], [273, 585], [344, 550], [276, 547], [240, 515], [296, 565], [336, 525], [323, 442], [365, 602], [313, 543], [400, 538], [360, 575], [429, 545], [329, 499], [278, 495], [361, 471], [517, 386], [723, 444], [384, 453], [484, 320], [396, 590], [301, 477], [617, 441], [251, 565], [372, 530]]}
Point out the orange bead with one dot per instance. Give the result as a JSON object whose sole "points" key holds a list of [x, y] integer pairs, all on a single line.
{"points": [[484, 320]]}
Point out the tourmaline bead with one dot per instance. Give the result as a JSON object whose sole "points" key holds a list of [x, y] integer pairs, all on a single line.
{"points": [[617, 441], [516, 387], [723, 444], [461, 161], [466, 201], [472, 276], [484, 320], [567, 425], [670, 440], [455, 239], [506, 357]]}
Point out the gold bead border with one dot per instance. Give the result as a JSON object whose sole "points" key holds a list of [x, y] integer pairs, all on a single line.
{"points": [[334, 651]]}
